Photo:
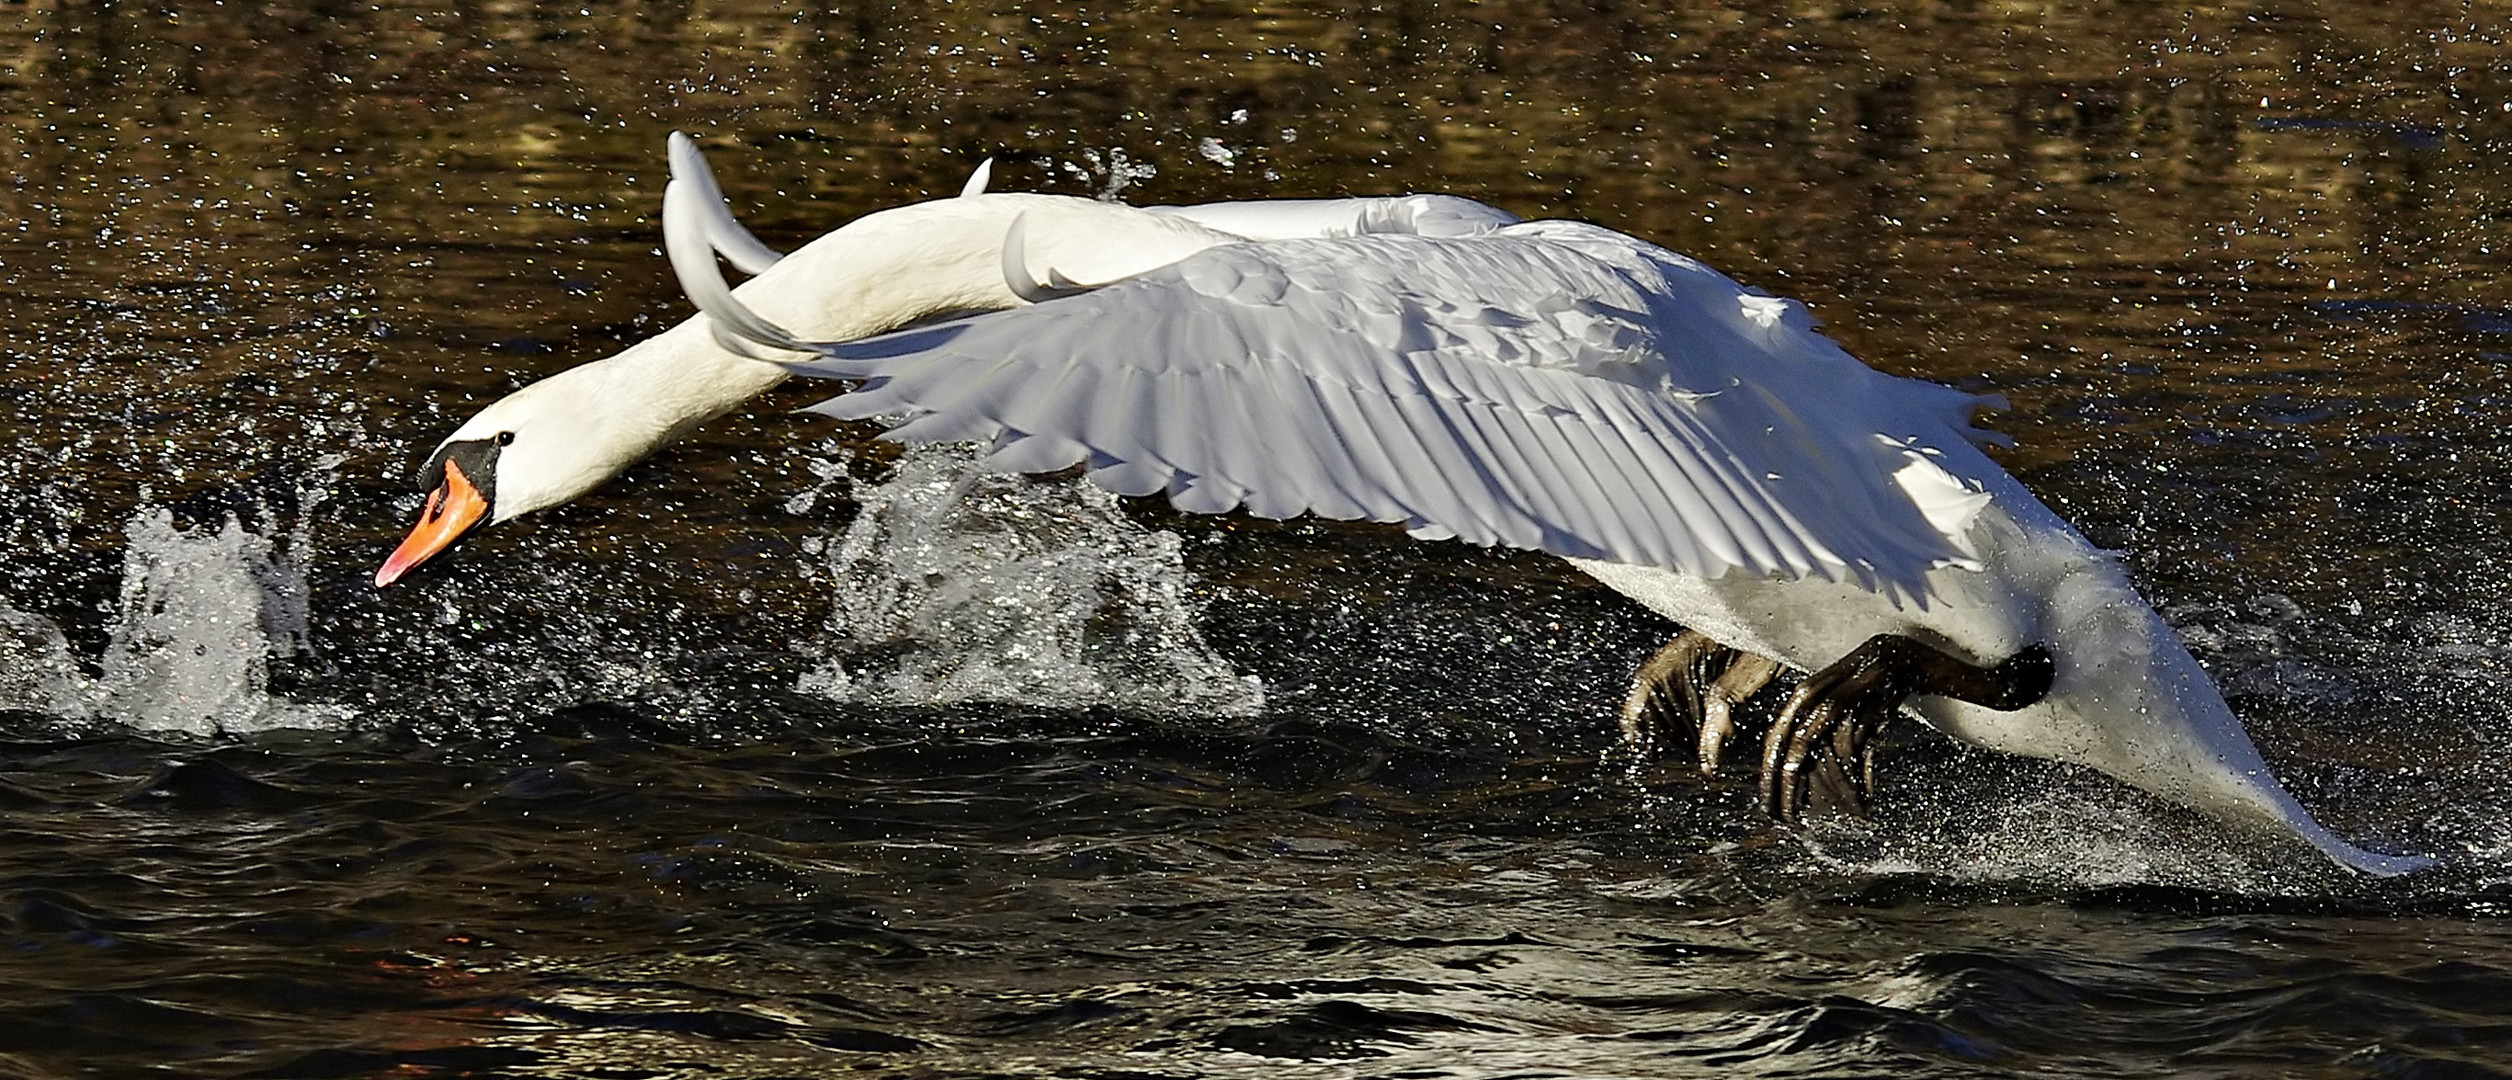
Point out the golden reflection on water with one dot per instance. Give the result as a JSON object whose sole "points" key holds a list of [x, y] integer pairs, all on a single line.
{"points": [[345, 225]]}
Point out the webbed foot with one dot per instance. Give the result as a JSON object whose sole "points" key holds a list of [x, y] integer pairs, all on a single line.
{"points": [[1837, 712], [1695, 682]]}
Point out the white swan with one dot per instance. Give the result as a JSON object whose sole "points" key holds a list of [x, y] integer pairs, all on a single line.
{"points": [[1428, 360]]}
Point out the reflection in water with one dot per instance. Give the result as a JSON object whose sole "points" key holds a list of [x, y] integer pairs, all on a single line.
{"points": [[2239, 268]]}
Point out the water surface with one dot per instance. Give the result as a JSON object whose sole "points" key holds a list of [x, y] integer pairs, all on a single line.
{"points": [[719, 772]]}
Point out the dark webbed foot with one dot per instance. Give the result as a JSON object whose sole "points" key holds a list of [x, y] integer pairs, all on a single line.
{"points": [[1668, 688], [1837, 712], [1695, 682]]}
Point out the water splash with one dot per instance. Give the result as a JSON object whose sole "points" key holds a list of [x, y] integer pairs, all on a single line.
{"points": [[202, 612], [38, 673], [1113, 171], [959, 584]]}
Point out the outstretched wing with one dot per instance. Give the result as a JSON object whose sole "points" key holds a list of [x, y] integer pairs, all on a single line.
{"points": [[1551, 386]]}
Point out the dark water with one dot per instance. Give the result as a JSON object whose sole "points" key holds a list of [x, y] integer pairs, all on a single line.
{"points": [[721, 772]]}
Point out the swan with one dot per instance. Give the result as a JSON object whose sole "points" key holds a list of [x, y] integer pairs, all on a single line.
{"points": [[1552, 385]]}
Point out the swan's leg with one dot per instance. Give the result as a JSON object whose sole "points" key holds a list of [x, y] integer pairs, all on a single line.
{"points": [[1671, 686], [1846, 704]]}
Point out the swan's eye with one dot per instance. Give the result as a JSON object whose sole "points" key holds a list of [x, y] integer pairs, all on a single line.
{"points": [[505, 438]]}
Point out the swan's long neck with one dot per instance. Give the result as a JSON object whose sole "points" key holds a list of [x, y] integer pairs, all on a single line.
{"points": [[880, 272]]}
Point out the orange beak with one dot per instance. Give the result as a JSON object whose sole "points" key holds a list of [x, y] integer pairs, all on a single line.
{"points": [[452, 509]]}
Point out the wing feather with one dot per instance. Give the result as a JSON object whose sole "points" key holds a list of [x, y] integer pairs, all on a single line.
{"points": [[1536, 478], [1121, 462], [1412, 479], [1689, 478], [1300, 429], [1606, 491], [1546, 385], [1374, 474], [1505, 501], [1465, 495], [1240, 453], [1175, 425], [1036, 453]]}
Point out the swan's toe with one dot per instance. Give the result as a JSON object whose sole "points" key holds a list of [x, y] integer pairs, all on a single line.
{"points": [[1824, 739], [1745, 676], [1670, 689], [1691, 682], [1827, 727]]}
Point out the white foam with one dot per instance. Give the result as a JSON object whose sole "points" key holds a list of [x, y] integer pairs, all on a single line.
{"points": [[38, 673], [2021, 821], [202, 611], [956, 584]]}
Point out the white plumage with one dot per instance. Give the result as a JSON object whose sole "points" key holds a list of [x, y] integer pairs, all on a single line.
{"points": [[1431, 361], [1547, 385]]}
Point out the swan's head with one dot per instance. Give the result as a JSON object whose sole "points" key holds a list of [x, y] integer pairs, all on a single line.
{"points": [[539, 447], [561, 437]]}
